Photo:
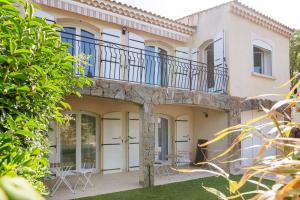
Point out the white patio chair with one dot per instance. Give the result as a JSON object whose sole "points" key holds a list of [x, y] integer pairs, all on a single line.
{"points": [[84, 175], [62, 171]]}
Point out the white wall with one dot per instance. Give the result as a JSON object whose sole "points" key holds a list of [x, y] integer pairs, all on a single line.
{"points": [[240, 34]]}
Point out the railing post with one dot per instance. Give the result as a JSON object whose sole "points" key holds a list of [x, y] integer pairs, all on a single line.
{"points": [[190, 74]]}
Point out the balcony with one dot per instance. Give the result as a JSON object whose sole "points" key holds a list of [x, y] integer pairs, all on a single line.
{"points": [[112, 61]]}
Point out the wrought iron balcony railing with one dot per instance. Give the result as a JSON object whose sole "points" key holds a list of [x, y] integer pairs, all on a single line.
{"points": [[108, 60]]}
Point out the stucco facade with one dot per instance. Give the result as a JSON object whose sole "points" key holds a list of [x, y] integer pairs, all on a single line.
{"points": [[194, 105]]}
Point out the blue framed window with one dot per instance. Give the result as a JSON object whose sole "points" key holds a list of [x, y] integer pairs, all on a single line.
{"points": [[88, 47], [68, 35], [150, 65], [85, 43]]}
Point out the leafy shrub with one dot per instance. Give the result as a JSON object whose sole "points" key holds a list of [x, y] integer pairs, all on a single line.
{"points": [[36, 73]]}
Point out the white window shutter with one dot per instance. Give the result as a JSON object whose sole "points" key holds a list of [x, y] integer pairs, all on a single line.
{"points": [[111, 53], [136, 41], [182, 66], [219, 50], [194, 54], [182, 52], [112, 35], [136, 58]]}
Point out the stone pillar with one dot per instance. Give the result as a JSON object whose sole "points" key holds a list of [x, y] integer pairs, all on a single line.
{"points": [[147, 145], [234, 118]]}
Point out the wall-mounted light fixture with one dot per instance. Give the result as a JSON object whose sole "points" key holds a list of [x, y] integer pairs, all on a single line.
{"points": [[124, 29]]}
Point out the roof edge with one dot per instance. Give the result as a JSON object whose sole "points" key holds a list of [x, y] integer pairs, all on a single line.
{"points": [[139, 14], [251, 14]]}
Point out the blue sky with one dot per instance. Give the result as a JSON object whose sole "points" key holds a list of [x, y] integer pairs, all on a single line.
{"points": [[284, 11]]}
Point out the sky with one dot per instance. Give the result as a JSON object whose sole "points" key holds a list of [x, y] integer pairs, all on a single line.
{"points": [[284, 11]]}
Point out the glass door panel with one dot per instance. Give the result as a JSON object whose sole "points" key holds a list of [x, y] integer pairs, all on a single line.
{"points": [[150, 65], [163, 67], [88, 47], [163, 139], [68, 142], [88, 142]]}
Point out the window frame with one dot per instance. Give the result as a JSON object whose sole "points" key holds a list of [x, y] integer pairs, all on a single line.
{"points": [[266, 57], [78, 26]]}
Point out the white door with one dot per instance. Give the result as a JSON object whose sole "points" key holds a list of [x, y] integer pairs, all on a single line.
{"points": [[133, 141], [111, 55], [251, 146], [136, 58], [183, 139], [182, 66], [112, 143], [246, 151], [219, 62]]}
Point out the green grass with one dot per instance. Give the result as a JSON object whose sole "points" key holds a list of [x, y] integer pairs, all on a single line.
{"points": [[188, 190]]}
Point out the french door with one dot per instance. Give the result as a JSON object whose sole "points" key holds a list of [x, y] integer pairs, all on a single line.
{"points": [[82, 41], [156, 63], [79, 140]]}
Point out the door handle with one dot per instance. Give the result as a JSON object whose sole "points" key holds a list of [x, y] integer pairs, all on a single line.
{"points": [[118, 138], [130, 137]]}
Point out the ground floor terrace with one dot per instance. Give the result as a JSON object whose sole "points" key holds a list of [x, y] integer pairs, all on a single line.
{"points": [[117, 182], [131, 136]]}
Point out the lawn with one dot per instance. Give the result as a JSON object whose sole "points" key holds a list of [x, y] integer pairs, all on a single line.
{"points": [[188, 190]]}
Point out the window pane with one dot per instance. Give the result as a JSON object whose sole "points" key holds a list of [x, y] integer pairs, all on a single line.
{"points": [[88, 142], [210, 65], [68, 142], [258, 56], [268, 63], [68, 35], [163, 67], [88, 47], [163, 141], [150, 65]]}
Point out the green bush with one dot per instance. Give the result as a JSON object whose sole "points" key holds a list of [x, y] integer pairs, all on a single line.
{"points": [[36, 73]]}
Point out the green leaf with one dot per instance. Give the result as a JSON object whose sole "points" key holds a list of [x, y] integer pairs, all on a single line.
{"points": [[22, 51], [26, 133], [24, 88], [18, 75]]}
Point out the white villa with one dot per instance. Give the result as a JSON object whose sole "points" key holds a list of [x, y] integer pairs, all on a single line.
{"points": [[161, 86]]}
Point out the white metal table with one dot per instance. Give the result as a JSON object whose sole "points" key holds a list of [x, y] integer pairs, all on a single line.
{"points": [[61, 171]]}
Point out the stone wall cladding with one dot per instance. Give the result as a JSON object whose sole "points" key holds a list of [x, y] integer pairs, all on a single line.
{"points": [[141, 94]]}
